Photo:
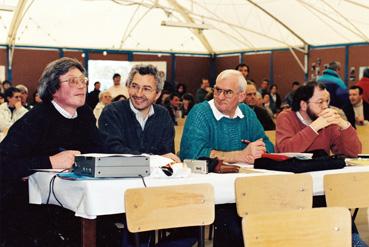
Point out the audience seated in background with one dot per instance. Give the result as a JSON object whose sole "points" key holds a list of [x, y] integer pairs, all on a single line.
{"points": [[264, 87], [311, 125], [163, 97], [5, 85], [266, 104], [24, 95], [12, 109], [119, 97], [93, 96], [104, 100], [244, 69], [173, 106], [187, 104], [36, 99], [181, 89], [289, 97], [275, 98], [48, 136], [261, 113], [138, 125], [335, 85], [364, 84]]}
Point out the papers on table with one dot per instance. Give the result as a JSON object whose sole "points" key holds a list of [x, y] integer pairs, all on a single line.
{"points": [[357, 162]]}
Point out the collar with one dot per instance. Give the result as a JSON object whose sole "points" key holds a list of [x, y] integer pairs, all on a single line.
{"points": [[63, 112], [218, 115], [135, 111], [358, 104], [299, 116]]}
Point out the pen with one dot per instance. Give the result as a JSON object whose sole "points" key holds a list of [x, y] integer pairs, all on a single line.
{"points": [[245, 141]]}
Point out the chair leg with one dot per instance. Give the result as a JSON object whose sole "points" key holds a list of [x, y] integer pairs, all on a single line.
{"points": [[137, 240], [211, 229], [201, 236]]}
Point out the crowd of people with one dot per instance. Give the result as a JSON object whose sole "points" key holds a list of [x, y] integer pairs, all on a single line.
{"points": [[226, 121]]}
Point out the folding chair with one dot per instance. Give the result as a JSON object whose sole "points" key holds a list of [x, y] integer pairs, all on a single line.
{"points": [[166, 207], [273, 193], [309, 227]]}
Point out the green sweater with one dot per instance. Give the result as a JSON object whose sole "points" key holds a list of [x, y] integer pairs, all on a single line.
{"points": [[203, 133]]}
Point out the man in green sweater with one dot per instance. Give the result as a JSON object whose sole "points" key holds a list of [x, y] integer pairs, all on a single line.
{"points": [[224, 127]]}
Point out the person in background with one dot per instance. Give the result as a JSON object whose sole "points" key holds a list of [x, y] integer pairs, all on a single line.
{"points": [[2, 98], [93, 96], [181, 89], [289, 97], [312, 125], [173, 103], [359, 106], [119, 97], [24, 95], [335, 85], [203, 90], [266, 105], [244, 69], [36, 99], [261, 113], [12, 110], [48, 136], [275, 99], [264, 87], [364, 84], [117, 88], [187, 104], [138, 125], [104, 100], [6, 84]]}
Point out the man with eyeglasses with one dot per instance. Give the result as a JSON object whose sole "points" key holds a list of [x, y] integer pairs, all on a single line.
{"points": [[138, 125], [218, 128], [312, 125], [12, 109], [50, 135]]}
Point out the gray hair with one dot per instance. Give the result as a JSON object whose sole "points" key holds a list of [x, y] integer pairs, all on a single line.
{"points": [[233, 73], [49, 82], [22, 88], [148, 69]]}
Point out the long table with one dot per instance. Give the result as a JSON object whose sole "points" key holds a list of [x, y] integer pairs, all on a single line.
{"points": [[92, 198]]}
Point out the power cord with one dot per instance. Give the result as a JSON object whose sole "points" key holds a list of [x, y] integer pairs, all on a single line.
{"points": [[143, 180], [51, 189]]}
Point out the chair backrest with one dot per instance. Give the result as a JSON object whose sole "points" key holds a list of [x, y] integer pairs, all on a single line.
{"points": [[271, 135], [273, 192], [350, 190], [308, 227], [169, 207]]}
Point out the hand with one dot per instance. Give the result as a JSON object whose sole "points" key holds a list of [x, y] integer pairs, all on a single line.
{"points": [[254, 150], [63, 160], [173, 157], [18, 104], [328, 117], [359, 120]]}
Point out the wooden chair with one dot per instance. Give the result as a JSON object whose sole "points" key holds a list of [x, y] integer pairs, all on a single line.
{"points": [[273, 193], [309, 227], [350, 190], [169, 207]]}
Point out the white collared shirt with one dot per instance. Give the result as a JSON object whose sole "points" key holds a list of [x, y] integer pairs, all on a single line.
{"points": [[63, 112], [218, 115], [140, 118]]}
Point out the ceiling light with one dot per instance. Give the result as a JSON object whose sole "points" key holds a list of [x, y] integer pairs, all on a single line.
{"points": [[184, 24]]}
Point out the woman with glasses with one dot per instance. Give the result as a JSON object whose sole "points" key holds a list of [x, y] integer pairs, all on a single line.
{"points": [[12, 109]]}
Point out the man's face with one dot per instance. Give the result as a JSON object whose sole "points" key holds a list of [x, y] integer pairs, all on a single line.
{"points": [[227, 95], [24, 96], [205, 83], [14, 99], [175, 101], [116, 80], [71, 95], [251, 95], [244, 71], [97, 86], [142, 91], [354, 96], [264, 85], [317, 103]]}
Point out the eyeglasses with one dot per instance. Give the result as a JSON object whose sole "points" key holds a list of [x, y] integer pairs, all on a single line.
{"points": [[321, 102], [145, 89], [76, 81], [228, 93], [17, 96]]}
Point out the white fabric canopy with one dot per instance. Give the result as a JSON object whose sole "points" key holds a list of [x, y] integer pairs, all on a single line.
{"points": [[232, 25]]}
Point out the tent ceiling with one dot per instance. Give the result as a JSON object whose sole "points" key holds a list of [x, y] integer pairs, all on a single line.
{"points": [[233, 25]]}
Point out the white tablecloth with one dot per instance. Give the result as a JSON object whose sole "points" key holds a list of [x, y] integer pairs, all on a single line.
{"points": [[91, 198]]}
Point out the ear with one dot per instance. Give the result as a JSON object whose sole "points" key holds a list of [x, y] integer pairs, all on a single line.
{"points": [[242, 96], [303, 105], [158, 95]]}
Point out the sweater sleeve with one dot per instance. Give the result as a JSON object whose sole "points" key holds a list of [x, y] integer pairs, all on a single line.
{"points": [[195, 138], [16, 153], [346, 142], [288, 140]]}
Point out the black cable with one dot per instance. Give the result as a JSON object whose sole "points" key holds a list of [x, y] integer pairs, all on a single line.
{"points": [[143, 180], [51, 189]]}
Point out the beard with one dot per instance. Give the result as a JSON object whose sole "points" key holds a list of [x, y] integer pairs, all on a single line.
{"points": [[311, 115]]}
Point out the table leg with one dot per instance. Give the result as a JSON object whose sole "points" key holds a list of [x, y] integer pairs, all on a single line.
{"points": [[88, 232]]}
